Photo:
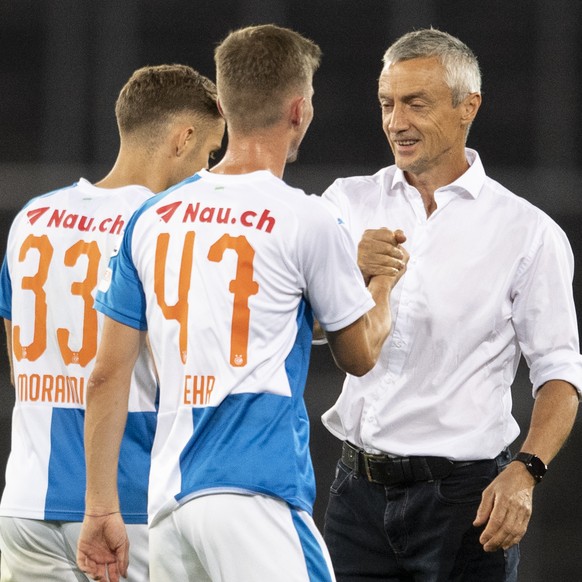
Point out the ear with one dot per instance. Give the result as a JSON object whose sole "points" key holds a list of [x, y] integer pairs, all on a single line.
{"points": [[469, 108], [183, 139], [220, 109], [296, 111]]}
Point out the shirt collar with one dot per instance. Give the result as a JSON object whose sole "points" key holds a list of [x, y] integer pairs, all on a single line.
{"points": [[471, 182]]}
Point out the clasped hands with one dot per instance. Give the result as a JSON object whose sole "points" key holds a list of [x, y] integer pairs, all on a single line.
{"points": [[380, 254]]}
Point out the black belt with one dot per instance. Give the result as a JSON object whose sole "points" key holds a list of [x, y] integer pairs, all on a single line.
{"points": [[387, 470]]}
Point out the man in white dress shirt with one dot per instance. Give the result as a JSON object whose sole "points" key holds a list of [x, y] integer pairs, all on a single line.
{"points": [[426, 488]]}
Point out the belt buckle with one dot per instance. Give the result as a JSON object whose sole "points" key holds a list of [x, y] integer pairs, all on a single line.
{"points": [[367, 468], [366, 457]]}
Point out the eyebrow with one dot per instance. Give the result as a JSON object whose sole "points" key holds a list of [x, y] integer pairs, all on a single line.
{"points": [[409, 97]]}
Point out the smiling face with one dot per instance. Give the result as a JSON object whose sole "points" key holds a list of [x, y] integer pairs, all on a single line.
{"points": [[426, 133]]}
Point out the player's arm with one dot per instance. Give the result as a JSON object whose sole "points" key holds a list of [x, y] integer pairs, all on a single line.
{"points": [[379, 254], [103, 543], [382, 260], [356, 348], [8, 328]]}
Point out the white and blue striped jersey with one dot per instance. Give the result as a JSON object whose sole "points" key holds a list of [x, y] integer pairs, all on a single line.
{"points": [[58, 249], [224, 272]]}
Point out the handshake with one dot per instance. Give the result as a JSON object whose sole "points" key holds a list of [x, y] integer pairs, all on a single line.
{"points": [[380, 254]]}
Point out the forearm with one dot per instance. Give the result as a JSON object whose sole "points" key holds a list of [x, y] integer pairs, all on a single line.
{"points": [[356, 348], [106, 414], [379, 318], [506, 504], [553, 417], [382, 260], [105, 420]]}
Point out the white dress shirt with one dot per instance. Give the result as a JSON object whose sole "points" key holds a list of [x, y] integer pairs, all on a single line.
{"points": [[489, 278]]}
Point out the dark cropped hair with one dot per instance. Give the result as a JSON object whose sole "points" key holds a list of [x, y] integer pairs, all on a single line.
{"points": [[154, 95]]}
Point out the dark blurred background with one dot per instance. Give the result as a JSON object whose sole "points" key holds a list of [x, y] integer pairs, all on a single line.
{"points": [[62, 64]]}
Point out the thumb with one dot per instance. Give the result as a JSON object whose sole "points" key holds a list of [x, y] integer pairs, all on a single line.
{"points": [[399, 236]]}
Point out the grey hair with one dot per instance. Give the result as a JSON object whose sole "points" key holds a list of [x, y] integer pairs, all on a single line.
{"points": [[462, 74]]}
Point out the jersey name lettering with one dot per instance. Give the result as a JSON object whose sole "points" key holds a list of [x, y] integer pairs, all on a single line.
{"points": [[198, 389], [48, 388]]}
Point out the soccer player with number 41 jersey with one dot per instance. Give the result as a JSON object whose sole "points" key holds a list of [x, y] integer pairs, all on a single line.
{"points": [[225, 271]]}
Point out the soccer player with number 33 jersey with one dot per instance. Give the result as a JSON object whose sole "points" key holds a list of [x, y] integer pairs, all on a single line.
{"points": [[58, 249]]}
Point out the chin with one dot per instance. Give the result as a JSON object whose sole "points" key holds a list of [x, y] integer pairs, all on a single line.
{"points": [[414, 166], [403, 165]]}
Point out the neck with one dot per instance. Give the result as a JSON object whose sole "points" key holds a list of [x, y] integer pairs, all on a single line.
{"points": [[136, 169], [259, 151], [434, 178]]}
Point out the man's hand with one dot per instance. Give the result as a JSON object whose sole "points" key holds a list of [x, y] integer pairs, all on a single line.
{"points": [[506, 507], [380, 253], [103, 547]]}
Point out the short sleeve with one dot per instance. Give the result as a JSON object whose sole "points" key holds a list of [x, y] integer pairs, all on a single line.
{"points": [[120, 293], [5, 291]]}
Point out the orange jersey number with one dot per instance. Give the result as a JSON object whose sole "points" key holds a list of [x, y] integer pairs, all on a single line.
{"points": [[242, 287], [83, 289], [178, 311], [36, 284]]}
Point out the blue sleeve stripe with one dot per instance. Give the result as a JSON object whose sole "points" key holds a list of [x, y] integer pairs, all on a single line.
{"points": [[119, 317], [5, 291]]}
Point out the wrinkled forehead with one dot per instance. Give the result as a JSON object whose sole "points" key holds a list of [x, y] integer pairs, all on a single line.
{"points": [[412, 76]]}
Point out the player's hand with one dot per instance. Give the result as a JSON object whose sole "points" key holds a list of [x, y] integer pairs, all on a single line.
{"points": [[380, 253], [103, 548], [506, 507]]}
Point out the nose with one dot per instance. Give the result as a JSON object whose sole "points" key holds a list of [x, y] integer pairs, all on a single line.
{"points": [[397, 120]]}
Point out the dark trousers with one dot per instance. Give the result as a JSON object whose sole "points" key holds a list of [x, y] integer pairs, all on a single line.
{"points": [[414, 532]]}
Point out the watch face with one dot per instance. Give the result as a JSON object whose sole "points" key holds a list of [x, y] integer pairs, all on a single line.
{"points": [[534, 465], [538, 467]]}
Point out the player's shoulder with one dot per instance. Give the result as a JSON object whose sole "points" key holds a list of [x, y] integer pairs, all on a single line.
{"points": [[307, 208], [38, 205], [47, 197]]}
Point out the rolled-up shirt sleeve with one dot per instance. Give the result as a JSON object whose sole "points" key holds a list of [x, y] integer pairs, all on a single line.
{"points": [[544, 313]]}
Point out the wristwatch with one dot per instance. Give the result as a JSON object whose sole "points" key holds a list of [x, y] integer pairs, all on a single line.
{"points": [[534, 465]]}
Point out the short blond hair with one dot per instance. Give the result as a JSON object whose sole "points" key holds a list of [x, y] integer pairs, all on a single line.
{"points": [[257, 68]]}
